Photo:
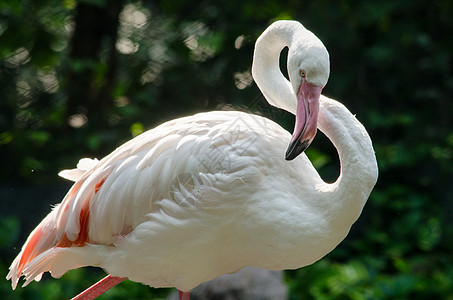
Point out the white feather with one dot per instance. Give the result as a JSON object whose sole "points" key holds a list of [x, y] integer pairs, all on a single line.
{"points": [[84, 165]]}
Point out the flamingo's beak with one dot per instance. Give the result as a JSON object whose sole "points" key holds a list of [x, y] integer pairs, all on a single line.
{"points": [[306, 119]]}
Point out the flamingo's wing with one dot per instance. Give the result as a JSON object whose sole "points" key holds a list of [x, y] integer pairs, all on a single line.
{"points": [[175, 162]]}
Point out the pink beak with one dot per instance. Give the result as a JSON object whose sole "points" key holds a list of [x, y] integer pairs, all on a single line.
{"points": [[306, 119]]}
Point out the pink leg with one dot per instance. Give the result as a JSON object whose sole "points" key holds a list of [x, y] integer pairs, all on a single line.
{"points": [[184, 295], [99, 288]]}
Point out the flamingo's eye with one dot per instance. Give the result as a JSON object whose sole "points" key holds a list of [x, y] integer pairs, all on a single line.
{"points": [[302, 73]]}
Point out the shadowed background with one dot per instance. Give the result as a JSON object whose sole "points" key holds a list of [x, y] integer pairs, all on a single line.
{"points": [[79, 78]]}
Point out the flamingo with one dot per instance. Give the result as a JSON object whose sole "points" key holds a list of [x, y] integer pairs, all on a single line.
{"points": [[208, 194]]}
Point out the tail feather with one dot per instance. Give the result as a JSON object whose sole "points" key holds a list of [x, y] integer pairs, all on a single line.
{"points": [[59, 260], [41, 239], [38, 266], [66, 228], [47, 236], [13, 273]]}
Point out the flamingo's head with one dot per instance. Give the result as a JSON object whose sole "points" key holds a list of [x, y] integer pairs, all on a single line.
{"points": [[308, 68]]}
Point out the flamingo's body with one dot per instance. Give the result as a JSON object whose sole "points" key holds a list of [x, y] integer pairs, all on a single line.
{"points": [[205, 195]]}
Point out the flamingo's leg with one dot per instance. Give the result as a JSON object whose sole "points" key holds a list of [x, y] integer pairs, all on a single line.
{"points": [[184, 295], [99, 288]]}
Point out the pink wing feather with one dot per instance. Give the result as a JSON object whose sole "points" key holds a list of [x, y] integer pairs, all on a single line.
{"points": [[53, 231], [112, 196]]}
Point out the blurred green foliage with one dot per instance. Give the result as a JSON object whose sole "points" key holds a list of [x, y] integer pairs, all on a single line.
{"points": [[391, 64]]}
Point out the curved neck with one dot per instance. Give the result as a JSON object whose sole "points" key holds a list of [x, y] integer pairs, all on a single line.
{"points": [[359, 170], [266, 72]]}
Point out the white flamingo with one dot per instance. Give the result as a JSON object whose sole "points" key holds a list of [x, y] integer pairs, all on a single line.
{"points": [[205, 195]]}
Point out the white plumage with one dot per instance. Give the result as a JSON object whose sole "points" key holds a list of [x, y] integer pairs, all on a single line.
{"points": [[205, 195]]}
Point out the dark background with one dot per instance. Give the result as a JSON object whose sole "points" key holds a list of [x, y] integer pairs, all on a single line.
{"points": [[79, 78]]}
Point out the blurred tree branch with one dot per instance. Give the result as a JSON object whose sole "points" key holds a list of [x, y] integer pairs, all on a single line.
{"points": [[91, 72]]}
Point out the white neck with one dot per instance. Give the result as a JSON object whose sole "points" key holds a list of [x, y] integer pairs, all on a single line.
{"points": [[359, 170], [358, 162], [275, 87]]}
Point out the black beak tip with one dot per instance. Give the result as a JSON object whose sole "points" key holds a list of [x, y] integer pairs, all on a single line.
{"points": [[296, 148]]}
